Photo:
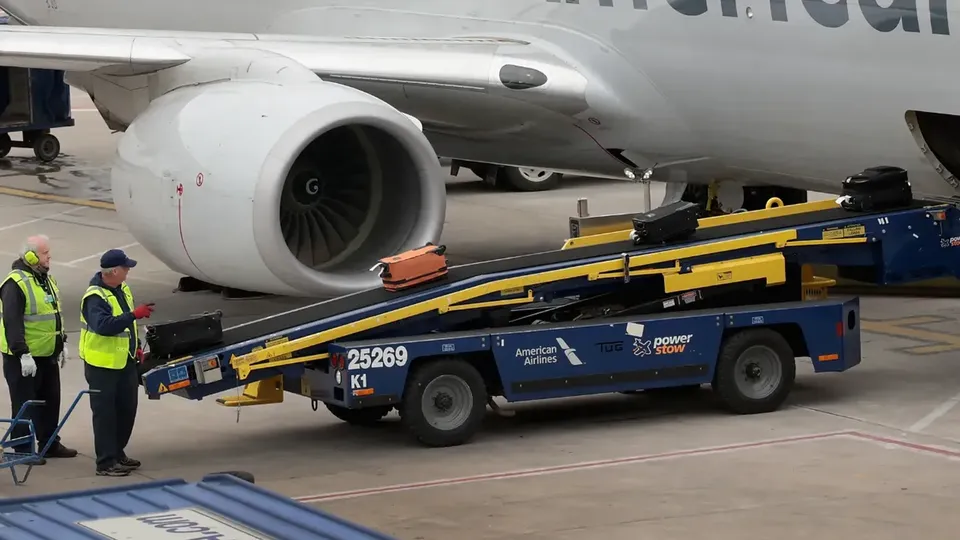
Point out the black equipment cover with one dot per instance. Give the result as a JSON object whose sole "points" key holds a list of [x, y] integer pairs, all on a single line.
{"points": [[177, 338], [670, 222], [877, 188]]}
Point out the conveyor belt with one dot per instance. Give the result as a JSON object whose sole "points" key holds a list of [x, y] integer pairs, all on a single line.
{"points": [[328, 308]]}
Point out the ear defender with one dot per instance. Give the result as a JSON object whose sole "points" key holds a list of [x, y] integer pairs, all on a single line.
{"points": [[30, 257]]}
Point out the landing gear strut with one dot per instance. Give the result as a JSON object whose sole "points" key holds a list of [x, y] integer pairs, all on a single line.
{"points": [[711, 199]]}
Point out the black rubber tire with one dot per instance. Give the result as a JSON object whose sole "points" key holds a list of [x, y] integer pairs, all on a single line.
{"points": [[6, 144], [512, 178], [724, 378], [412, 414], [46, 147], [359, 417]]}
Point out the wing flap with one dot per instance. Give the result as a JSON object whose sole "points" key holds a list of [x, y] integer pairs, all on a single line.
{"points": [[59, 48]]}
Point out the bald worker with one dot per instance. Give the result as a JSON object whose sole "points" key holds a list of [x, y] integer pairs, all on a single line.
{"points": [[33, 344]]}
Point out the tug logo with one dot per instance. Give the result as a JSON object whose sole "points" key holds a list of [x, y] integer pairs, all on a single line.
{"points": [[675, 344]]}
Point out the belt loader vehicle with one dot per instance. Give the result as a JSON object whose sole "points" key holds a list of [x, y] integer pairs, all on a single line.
{"points": [[730, 302]]}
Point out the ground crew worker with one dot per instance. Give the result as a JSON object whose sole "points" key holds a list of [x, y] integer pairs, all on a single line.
{"points": [[33, 343], [110, 349]]}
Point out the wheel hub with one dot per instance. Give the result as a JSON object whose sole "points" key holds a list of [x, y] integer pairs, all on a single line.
{"points": [[758, 372], [446, 402], [443, 401]]}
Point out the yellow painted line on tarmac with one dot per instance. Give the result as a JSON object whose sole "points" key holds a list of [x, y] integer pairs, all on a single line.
{"points": [[932, 349], [909, 321], [938, 342], [50, 197]]}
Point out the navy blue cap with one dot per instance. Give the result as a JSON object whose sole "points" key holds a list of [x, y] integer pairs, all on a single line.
{"points": [[116, 257]]}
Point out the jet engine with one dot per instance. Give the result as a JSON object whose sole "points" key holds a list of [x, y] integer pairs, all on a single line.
{"points": [[293, 188]]}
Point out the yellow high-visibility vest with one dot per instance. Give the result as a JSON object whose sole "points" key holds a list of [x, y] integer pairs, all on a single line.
{"points": [[39, 315], [110, 352]]}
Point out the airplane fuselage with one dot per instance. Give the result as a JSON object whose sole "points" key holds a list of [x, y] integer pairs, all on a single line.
{"points": [[794, 93]]}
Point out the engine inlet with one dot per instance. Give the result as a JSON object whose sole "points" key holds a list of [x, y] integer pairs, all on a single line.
{"points": [[350, 198]]}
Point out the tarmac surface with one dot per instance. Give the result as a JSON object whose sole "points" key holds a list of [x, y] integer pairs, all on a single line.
{"points": [[872, 453]]}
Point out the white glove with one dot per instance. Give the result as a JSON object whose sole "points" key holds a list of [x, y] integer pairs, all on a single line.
{"points": [[28, 367], [64, 357]]}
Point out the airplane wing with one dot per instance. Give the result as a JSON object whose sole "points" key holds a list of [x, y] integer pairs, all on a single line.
{"points": [[482, 98], [384, 65]]}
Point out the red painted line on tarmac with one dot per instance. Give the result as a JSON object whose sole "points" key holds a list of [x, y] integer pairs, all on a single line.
{"points": [[926, 448], [506, 475]]}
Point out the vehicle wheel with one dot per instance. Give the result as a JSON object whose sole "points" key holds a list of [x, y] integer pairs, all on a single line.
{"points": [[444, 402], [5, 144], [529, 179], [755, 371], [46, 147], [359, 417]]}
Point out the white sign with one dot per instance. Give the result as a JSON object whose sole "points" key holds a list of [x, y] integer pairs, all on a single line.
{"points": [[180, 524]]}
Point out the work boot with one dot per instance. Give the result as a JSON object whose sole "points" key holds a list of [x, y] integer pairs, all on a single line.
{"points": [[58, 450], [113, 470], [129, 463]]}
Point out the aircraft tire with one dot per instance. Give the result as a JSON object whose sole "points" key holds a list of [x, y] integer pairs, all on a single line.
{"points": [[528, 179]]}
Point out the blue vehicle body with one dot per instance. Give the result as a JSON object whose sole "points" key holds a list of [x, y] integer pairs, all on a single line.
{"points": [[615, 355], [33, 102]]}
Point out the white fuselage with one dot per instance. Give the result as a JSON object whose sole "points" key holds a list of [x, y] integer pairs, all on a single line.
{"points": [[800, 102]]}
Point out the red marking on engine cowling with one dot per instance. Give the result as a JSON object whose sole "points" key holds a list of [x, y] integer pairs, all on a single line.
{"points": [[183, 242]]}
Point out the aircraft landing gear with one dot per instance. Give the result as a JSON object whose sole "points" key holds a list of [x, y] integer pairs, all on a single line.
{"points": [[726, 197], [513, 178]]}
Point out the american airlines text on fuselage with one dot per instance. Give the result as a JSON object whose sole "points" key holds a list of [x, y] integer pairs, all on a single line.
{"points": [[902, 14]]}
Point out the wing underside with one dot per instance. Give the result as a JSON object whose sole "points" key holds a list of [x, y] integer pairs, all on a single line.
{"points": [[480, 95], [478, 64]]}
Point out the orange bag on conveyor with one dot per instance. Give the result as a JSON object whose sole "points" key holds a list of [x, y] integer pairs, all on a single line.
{"points": [[413, 267]]}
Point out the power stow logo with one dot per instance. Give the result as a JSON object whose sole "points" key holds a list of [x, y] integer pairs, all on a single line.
{"points": [[660, 345]]}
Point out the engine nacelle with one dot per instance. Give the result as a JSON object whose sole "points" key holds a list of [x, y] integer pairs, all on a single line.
{"points": [[293, 188]]}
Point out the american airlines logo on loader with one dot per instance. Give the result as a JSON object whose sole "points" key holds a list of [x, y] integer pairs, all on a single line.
{"points": [[675, 344], [547, 354]]}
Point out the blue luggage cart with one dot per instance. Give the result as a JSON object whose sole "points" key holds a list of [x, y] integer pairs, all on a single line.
{"points": [[220, 506], [33, 102], [10, 460]]}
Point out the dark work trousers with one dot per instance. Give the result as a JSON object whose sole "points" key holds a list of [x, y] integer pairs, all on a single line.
{"points": [[114, 409], [44, 386]]}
